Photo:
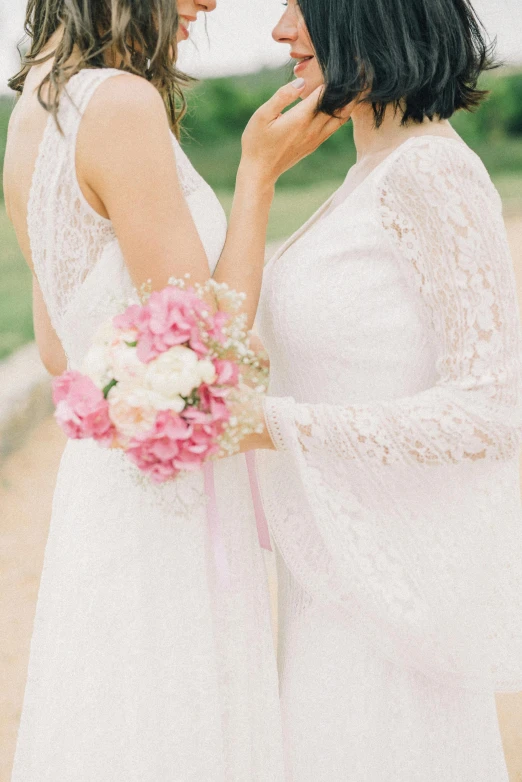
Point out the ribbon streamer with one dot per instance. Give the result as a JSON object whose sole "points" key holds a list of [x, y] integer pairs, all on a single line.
{"points": [[261, 522], [215, 526], [214, 520]]}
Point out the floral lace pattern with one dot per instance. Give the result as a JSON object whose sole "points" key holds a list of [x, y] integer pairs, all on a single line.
{"points": [[394, 493], [445, 229]]}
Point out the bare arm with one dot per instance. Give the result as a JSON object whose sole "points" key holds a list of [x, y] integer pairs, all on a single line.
{"points": [[127, 168], [126, 163]]}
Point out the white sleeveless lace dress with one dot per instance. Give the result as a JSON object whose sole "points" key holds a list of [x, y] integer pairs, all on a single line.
{"points": [[395, 403], [142, 667]]}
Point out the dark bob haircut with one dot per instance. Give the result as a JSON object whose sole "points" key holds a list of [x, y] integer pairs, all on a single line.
{"points": [[424, 57]]}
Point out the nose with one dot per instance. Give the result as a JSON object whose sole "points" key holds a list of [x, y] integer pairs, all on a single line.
{"points": [[286, 30], [207, 5]]}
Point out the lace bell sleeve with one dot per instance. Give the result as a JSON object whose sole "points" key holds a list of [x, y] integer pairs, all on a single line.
{"points": [[444, 226]]}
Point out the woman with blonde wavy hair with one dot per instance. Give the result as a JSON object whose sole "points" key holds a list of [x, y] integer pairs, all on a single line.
{"points": [[141, 668]]}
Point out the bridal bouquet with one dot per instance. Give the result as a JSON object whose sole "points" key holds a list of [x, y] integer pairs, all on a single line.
{"points": [[159, 381]]}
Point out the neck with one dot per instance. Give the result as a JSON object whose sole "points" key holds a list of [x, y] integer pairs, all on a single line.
{"points": [[370, 140]]}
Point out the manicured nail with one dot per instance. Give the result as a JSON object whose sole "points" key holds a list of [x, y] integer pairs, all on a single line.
{"points": [[299, 84]]}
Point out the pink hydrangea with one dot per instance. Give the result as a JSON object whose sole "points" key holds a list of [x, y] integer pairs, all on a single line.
{"points": [[81, 409], [174, 443], [171, 317]]}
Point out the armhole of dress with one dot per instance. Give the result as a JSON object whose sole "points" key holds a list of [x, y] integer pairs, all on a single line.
{"points": [[79, 104]]}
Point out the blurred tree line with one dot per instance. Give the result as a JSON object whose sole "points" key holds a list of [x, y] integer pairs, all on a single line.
{"points": [[219, 110]]}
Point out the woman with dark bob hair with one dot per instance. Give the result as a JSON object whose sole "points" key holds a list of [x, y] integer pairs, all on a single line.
{"points": [[395, 410], [142, 668]]}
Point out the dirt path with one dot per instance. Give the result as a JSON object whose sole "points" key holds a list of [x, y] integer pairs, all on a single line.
{"points": [[26, 486]]}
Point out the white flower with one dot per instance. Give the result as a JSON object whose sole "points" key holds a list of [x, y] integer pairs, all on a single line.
{"points": [[131, 409], [207, 372], [96, 365], [125, 362], [177, 372]]}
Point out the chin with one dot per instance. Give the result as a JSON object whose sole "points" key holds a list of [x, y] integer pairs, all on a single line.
{"points": [[310, 86]]}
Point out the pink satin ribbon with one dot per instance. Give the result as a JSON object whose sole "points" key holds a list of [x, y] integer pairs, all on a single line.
{"points": [[215, 526], [261, 522], [214, 520]]}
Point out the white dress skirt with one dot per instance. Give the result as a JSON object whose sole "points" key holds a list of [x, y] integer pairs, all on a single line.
{"points": [[144, 666], [395, 404]]}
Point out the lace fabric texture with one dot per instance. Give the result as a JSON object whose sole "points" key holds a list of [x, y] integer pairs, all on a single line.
{"points": [[396, 394], [142, 668]]}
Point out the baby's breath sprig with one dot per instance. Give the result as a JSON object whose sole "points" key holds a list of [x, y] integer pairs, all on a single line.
{"points": [[145, 291]]}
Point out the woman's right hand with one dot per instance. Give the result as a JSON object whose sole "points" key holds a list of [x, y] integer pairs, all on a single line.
{"points": [[274, 142]]}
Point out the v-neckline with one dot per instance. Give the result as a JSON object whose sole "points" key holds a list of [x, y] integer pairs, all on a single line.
{"points": [[322, 211]]}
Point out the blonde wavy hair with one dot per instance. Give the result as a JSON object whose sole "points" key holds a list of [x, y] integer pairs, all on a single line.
{"points": [[137, 36]]}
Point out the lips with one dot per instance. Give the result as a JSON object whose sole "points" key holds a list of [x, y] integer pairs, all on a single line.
{"points": [[302, 63], [184, 23]]}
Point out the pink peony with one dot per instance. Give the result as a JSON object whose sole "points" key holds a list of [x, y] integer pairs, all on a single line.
{"points": [[81, 409]]}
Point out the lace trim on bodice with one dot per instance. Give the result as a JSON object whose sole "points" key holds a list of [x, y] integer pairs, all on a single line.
{"points": [[442, 219], [67, 235]]}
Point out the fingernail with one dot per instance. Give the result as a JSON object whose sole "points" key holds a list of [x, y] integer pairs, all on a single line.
{"points": [[299, 84]]}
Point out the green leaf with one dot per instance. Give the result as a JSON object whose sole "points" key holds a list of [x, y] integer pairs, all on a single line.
{"points": [[108, 388]]}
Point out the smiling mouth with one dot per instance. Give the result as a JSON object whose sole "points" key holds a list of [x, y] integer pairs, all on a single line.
{"points": [[184, 27], [302, 63]]}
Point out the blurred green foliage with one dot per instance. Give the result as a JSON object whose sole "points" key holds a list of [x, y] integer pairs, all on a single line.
{"points": [[219, 110]]}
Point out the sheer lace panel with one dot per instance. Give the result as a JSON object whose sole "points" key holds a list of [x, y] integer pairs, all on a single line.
{"points": [[67, 235], [444, 223]]}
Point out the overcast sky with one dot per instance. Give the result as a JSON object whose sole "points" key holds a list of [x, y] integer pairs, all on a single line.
{"points": [[239, 35]]}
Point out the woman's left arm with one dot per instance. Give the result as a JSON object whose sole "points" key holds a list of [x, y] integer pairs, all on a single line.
{"points": [[444, 221]]}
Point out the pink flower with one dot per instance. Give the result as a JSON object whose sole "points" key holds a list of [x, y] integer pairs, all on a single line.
{"points": [[155, 451], [212, 401], [227, 372], [218, 322], [176, 443], [81, 409], [171, 317], [133, 319]]}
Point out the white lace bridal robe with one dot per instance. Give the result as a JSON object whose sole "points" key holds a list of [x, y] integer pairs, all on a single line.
{"points": [[142, 667], [395, 405]]}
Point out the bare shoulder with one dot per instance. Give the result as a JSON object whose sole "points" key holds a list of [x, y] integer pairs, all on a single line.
{"points": [[125, 99], [124, 135], [126, 120]]}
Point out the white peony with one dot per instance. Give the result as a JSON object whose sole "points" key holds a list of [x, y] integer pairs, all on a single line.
{"points": [[125, 363], [207, 372], [177, 372], [96, 365], [131, 409]]}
